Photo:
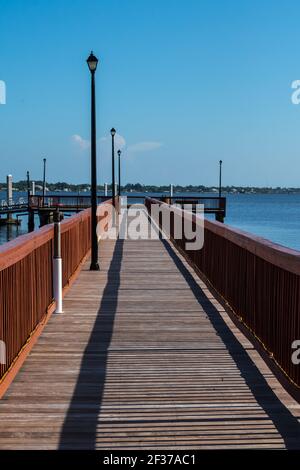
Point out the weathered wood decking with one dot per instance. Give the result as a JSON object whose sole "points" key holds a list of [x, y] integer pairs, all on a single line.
{"points": [[145, 357]]}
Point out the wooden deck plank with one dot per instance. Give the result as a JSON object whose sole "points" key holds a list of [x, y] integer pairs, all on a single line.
{"points": [[145, 357]]}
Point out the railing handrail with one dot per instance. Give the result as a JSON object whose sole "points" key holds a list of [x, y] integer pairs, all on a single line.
{"points": [[11, 252], [14, 250], [258, 279], [279, 255], [197, 197], [73, 196], [27, 282]]}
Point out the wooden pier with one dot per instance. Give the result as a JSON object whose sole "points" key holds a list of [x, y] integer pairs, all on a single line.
{"points": [[145, 356], [45, 206]]}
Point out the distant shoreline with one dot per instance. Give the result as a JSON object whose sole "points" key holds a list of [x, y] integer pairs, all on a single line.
{"points": [[140, 188]]}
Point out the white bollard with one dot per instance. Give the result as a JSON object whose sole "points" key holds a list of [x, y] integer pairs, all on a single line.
{"points": [[57, 265], [105, 189], [171, 190], [2, 352], [57, 284]]}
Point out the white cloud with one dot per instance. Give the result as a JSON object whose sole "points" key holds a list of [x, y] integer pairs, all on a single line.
{"points": [[83, 144], [104, 142], [120, 143], [143, 147], [104, 146]]}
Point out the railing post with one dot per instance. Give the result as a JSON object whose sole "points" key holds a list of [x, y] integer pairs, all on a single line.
{"points": [[30, 219], [220, 217], [221, 213], [57, 263]]}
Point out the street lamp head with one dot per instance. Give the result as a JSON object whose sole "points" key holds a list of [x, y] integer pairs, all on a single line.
{"points": [[119, 153], [92, 62], [113, 132], [220, 162]]}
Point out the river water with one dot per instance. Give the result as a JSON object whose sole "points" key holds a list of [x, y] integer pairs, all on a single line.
{"points": [[272, 216]]}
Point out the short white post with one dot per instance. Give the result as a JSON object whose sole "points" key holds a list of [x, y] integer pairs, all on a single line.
{"points": [[171, 190], [105, 189], [33, 188], [57, 264]]}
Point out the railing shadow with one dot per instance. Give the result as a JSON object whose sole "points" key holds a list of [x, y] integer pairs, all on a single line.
{"points": [[79, 430], [286, 424]]}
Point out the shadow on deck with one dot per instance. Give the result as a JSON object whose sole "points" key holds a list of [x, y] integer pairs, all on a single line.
{"points": [[86, 402]]}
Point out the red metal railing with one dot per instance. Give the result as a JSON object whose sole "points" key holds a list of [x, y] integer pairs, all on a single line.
{"points": [[260, 280], [26, 279], [65, 201]]}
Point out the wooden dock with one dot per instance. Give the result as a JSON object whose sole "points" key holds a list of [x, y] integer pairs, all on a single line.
{"points": [[145, 357]]}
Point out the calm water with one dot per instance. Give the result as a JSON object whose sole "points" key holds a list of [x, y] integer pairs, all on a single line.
{"points": [[273, 216], [9, 232]]}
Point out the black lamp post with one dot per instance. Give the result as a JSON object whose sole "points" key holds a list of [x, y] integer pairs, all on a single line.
{"points": [[220, 178], [92, 62], [113, 133], [119, 186], [44, 180]]}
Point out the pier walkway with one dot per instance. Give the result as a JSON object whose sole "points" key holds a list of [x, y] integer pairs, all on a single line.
{"points": [[145, 357]]}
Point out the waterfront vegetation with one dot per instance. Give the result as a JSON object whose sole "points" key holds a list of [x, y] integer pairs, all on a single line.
{"points": [[141, 188]]}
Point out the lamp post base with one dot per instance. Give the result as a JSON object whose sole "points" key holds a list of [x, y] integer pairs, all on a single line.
{"points": [[94, 266]]}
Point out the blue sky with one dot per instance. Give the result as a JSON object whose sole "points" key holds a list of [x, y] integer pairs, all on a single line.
{"points": [[185, 83]]}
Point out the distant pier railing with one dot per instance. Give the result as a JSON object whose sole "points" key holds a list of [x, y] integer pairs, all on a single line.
{"points": [[67, 202], [212, 204], [258, 279], [13, 206]]}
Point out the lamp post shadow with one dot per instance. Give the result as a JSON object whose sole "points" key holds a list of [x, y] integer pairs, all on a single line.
{"points": [[79, 430]]}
